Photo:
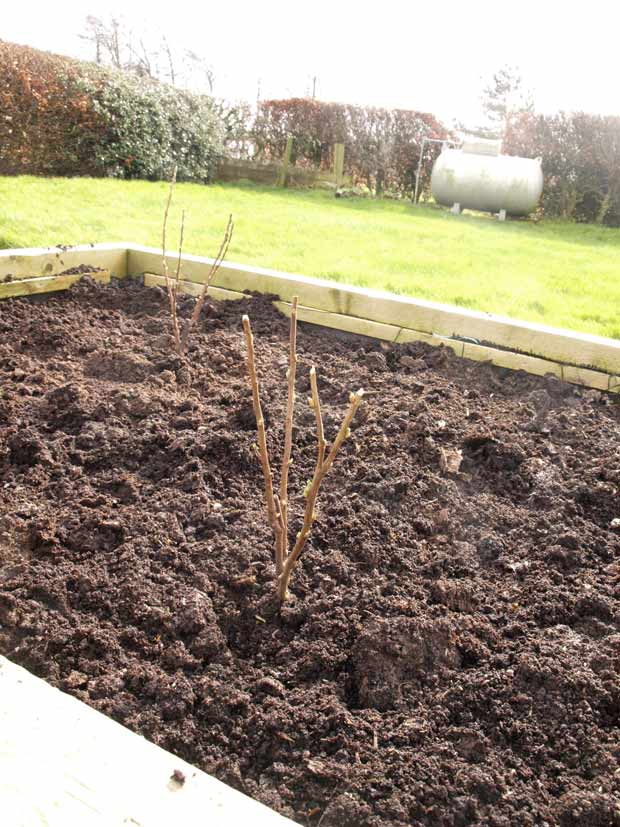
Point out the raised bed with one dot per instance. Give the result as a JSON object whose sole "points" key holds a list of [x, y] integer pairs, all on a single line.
{"points": [[451, 650], [579, 358]]}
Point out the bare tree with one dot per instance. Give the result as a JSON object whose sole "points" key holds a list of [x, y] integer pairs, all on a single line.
{"points": [[148, 54], [198, 68], [168, 53], [106, 39]]}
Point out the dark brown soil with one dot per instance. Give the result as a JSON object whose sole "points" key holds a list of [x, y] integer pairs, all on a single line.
{"points": [[80, 268], [450, 654]]}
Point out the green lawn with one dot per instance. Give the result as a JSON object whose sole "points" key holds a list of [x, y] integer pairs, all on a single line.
{"points": [[561, 274]]}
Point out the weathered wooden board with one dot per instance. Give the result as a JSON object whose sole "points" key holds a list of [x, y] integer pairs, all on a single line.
{"points": [[62, 764], [547, 343], [192, 288], [588, 378], [37, 262], [407, 335], [391, 333], [350, 324], [230, 169], [32, 286], [538, 349], [514, 361]]}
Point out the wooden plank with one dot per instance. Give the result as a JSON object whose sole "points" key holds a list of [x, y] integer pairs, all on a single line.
{"points": [[400, 335], [236, 170], [362, 327], [552, 344], [37, 262], [349, 324], [192, 288], [32, 286], [514, 361], [585, 377], [64, 764], [316, 293], [407, 335], [393, 318]]}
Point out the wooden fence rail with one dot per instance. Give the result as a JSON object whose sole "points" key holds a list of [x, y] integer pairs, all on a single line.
{"points": [[285, 173]]}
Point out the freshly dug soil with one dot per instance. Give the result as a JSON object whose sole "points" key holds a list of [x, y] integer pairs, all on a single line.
{"points": [[450, 653]]}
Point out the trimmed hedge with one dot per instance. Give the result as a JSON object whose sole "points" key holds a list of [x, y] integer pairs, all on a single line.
{"points": [[382, 145], [65, 117], [60, 116], [581, 162]]}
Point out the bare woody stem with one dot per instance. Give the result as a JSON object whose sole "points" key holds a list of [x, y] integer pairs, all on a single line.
{"points": [[322, 467], [221, 255], [288, 436], [274, 512], [170, 287], [177, 275]]}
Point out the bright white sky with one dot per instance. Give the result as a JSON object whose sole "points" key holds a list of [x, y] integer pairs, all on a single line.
{"points": [[411, 54]]}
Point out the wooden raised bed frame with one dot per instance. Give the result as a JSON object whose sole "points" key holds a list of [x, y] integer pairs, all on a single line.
{"points": [[579, 358], [66, 763]]}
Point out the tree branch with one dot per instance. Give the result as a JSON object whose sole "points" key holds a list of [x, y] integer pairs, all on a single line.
{"points": [[172, 289]]}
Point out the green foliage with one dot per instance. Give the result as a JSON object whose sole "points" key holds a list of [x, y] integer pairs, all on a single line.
{"points": [[74, 118], [581, 162], [503, 98]]}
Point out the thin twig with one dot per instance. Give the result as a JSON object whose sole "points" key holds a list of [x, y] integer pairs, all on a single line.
{"points": [[172, 292], [178, 272], [322, 468], [277, 505], [274, 513], [221, 255], [288, 436]]}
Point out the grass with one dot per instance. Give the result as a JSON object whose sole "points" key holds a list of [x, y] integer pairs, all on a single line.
{"points": [[557, 273]]}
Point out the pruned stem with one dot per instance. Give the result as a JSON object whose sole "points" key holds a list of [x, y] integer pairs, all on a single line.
{"points": [[288, 436], [177, 275], [277, 505], [170, 287], [221, 255], [322, 468], [274, 511]]}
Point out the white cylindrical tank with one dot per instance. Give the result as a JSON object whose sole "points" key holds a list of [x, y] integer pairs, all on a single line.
{"points": [[487, 182]]}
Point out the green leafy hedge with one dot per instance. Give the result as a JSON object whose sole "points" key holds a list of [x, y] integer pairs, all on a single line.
{"points": [[64, 117], [382, 145], [581, 162]]}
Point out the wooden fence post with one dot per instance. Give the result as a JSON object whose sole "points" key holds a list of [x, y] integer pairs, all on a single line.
{"points": [[285, 163], [339, 164]]}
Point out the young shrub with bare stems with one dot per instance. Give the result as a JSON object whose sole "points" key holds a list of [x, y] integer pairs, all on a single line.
{"points": [[277, 503], [181, 338]]}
